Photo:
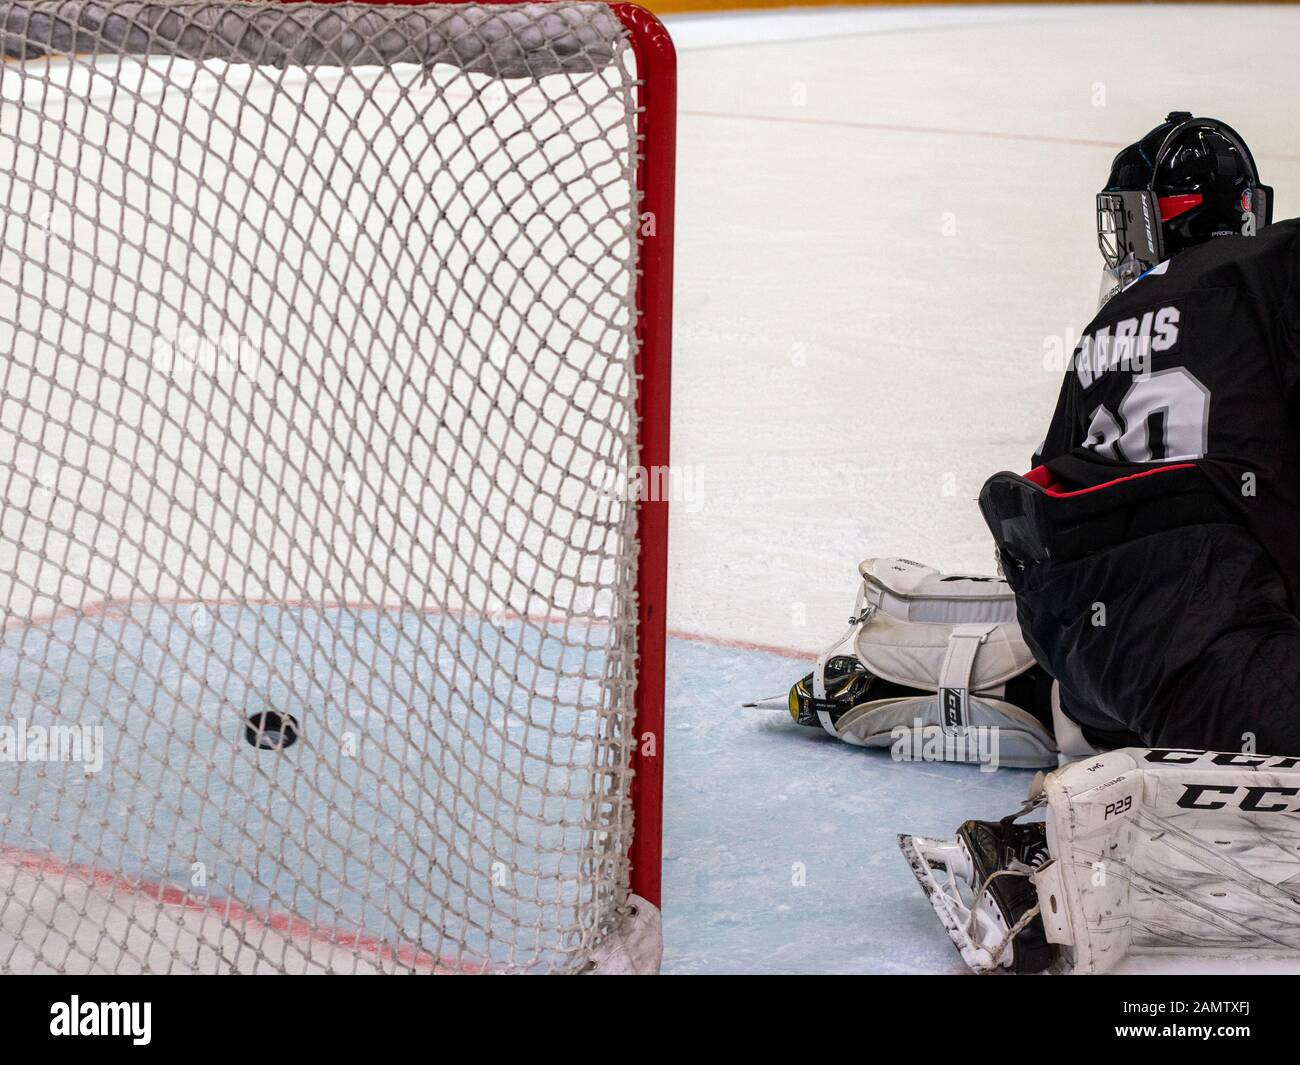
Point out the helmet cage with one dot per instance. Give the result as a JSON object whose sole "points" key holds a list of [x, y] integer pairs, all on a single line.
{"points": [[1129, 223]]}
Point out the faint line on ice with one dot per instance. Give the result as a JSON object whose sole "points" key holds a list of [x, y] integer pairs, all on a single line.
{"points": [[940, 131]]}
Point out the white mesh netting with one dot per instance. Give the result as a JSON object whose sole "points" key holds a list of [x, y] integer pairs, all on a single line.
{"points": [[316, 350]]}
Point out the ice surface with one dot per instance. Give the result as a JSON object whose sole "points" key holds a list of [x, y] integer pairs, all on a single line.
{"points": [[360, 846]]}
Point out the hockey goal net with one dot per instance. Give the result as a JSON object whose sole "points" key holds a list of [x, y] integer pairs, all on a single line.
{"points": [[332, 339]]}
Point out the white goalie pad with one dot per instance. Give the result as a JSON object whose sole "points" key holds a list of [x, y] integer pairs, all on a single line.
{"points": [[1172, 852], [956, 639], [927, 626]]}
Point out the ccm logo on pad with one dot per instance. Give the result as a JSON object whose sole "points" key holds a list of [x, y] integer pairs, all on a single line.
{"points": [[1264, 800]]}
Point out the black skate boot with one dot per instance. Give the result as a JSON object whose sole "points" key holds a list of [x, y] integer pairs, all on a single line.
{"points": [[848, 684], [985, 899]]}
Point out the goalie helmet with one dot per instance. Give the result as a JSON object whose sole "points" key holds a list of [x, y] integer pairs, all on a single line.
{"points": [[1187, 181]]}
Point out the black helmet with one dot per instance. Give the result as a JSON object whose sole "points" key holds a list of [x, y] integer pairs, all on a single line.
{"points": [[1188, 180]]}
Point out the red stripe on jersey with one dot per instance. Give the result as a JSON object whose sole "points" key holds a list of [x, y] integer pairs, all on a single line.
{"points": [[1046, 480]]}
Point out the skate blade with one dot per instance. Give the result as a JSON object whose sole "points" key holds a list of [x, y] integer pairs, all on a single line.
{"points": [[926, 856], [776, 702]]}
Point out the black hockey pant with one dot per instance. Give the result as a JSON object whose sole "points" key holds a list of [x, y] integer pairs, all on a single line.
{"points": [[1184, 638]]}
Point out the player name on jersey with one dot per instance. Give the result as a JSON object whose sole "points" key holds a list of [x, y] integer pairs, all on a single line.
{"points": [[1127, 345]]}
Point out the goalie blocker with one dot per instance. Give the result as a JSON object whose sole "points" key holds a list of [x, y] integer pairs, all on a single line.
{"points": [[1148, 852]]}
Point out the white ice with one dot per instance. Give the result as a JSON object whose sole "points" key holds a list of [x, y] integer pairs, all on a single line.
{"points": [[885, 240]]}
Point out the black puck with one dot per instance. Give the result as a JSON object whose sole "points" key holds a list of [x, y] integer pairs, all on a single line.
{"points": [[271, 731]]}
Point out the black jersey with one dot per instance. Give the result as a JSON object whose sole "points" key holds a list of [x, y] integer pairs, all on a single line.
{"points": [[1198, 362]]}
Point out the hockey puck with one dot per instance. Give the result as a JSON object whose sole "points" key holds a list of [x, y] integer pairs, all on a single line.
{"points": [[271, 731]]}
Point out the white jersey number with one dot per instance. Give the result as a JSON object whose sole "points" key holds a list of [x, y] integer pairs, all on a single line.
{"points": [[1163, 417]]}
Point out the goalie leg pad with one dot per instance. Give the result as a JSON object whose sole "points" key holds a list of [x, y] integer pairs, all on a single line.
{"points": [[933, 667], [1160, 851], [950, 649]]}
